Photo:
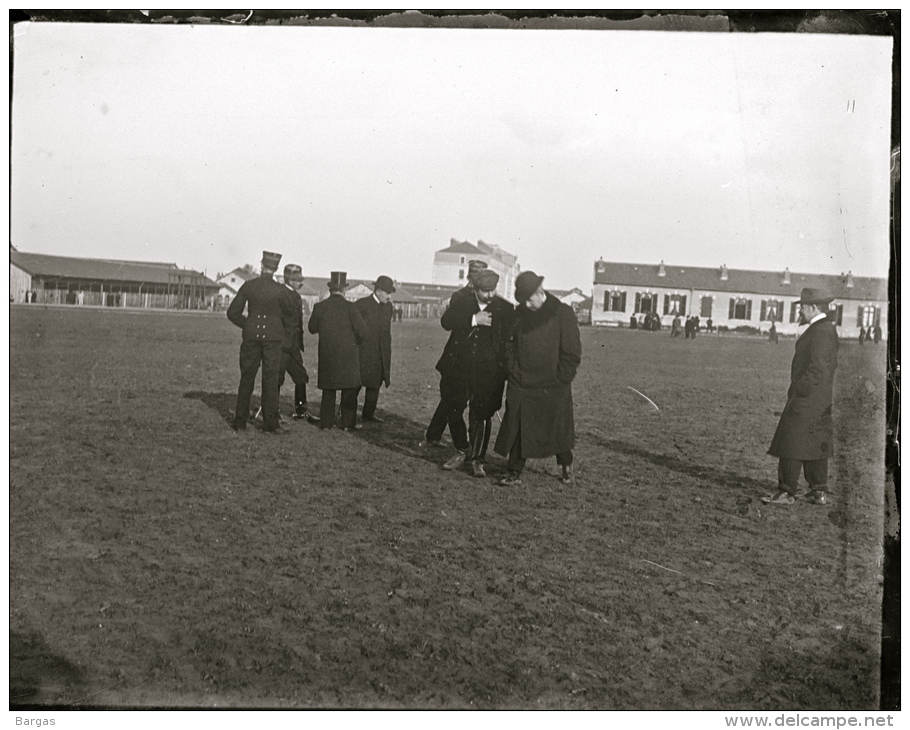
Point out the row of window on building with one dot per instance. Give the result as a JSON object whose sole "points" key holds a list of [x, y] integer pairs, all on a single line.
{"points": [[739, 308]]}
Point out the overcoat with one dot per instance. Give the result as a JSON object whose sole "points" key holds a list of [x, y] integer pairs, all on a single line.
{"points": [[341, 329], [806, 428], [544, 353], [376, 348], [295, 321], [269, 313]]}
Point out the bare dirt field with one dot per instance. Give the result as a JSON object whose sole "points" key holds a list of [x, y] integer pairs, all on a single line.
{"points": [[158, 559]]}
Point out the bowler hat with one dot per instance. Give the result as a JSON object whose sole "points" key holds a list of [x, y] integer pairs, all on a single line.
{"points": [[386, 284], [486, 280], [270, 261], [526, 284], [339, 281], [814, 296]]}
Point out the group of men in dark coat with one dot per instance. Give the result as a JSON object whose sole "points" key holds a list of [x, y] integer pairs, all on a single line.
{"points": [[355, 345]]}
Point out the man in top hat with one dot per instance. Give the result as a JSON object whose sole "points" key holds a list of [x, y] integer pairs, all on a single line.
{"points": [[804, 436], [543, 355], [266, 332], [452, 398], [474, 362], [291, 359], [376, 348], [341, 330]]}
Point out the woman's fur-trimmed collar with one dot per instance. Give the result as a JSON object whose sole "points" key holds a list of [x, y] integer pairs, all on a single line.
{"points": [[528, 320]]}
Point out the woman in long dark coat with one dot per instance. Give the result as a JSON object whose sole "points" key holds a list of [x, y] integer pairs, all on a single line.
{"points": [[543, 356]]}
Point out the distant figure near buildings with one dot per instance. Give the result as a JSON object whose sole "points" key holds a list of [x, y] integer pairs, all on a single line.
{"points": [[376, 347], [676, 328], [543, 355], [710, 325], [804, 437], [341, 329], [633, 323], [291, 357], [877, 334], [862, 335], [266, 329], [772, 333]]}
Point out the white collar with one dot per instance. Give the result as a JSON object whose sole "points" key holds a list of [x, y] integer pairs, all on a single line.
{"points": [[817, 317]]}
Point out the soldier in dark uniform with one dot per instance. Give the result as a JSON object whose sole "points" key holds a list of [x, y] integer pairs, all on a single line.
{"points": [[474, 359], [266, 329], [376, 348], [341, 330], [291, 359], [452, 393]]}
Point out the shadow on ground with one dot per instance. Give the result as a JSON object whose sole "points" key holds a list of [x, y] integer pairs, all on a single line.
{"points": [[37, 676]]}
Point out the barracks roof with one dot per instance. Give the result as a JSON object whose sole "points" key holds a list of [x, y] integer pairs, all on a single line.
{"points": [[738, 280], [66, 267]]}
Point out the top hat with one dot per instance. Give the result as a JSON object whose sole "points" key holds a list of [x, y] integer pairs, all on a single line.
{"points": [[386, 284], [526, 284], [814, 296], [339, 281], [485, 280], [270, 261], [293, 271]]}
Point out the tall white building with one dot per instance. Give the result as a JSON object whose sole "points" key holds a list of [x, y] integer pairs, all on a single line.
{"points": [[450, 265]]}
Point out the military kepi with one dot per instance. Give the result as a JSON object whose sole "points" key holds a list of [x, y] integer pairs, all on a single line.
{"points": [[386, 284], [270, 261], [814, 296], [339, 281]]}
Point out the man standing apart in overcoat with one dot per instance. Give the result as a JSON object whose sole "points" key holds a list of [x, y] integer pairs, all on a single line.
{"points": [[452, 392], [341, 330], [291, 358], [544, 353], [376, 348], [480, 325], [266, 331], [804, 437]]}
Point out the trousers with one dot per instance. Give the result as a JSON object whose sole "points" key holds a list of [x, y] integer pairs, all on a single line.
{"points": [[348, 408], [292, 364], [254, 353], [816, 472]]}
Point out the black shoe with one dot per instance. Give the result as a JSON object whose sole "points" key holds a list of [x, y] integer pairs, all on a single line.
{"points": [[374, 419], [352, 428], [277, 431], [238, 426]]}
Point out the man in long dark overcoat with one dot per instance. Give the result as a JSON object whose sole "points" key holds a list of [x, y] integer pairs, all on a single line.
{"points": [[266, 330], [376, 348], [475, 361], [291, 358], [805, 434], [452, 391], [341, 330], [543, 355]]}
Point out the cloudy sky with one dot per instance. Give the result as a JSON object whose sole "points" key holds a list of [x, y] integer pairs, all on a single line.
{"points": [[366, 150]]}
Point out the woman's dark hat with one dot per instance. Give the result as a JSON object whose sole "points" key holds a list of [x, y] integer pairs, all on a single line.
{"points": [[339, 281], [386, 284], [526, 284], [814, 296]]}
